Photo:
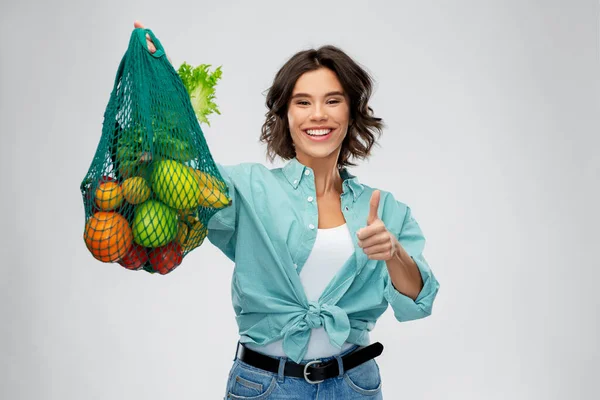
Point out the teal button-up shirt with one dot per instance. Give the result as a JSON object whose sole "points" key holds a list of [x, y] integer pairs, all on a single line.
{"points": [[269, 231]]}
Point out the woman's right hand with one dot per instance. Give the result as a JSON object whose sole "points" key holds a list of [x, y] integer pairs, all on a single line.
{"points": [[151, 46]]}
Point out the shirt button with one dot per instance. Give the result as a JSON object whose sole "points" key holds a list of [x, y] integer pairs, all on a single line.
{"points": [[296, 266], [295, 181], [307, 172], [311, 226], [346, 208], [309, 198]]}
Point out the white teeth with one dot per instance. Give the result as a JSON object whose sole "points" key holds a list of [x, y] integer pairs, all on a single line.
{"points": [[318, 132]]}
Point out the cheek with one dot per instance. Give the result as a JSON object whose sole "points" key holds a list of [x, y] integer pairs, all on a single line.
{"points": [[343, 115], [293, 119]]}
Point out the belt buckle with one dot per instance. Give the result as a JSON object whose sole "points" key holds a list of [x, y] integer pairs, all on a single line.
{"points": [[306, 373]]}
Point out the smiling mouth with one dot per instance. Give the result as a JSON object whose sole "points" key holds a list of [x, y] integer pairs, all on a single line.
{"points": [[318, 132]]}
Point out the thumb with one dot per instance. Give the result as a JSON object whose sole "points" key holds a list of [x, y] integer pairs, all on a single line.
{"points": [[373, 206], [137, 24]]}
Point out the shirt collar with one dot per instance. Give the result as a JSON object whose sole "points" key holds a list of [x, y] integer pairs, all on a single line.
{"points": [[294, 171], [352, 181]]}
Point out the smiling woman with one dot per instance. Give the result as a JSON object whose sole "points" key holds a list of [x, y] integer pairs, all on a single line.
{"points": [[321, 89], [319, 256], [318, 122]]}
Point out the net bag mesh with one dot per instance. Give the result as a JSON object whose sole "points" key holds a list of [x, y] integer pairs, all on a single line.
{"points": [[152, 185]]}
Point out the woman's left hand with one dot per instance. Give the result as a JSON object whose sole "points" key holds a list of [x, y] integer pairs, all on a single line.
{"points": [[376, 241]]}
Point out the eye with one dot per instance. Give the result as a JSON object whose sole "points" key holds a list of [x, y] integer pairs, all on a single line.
{"points": [[302, 102], [333, 101]]}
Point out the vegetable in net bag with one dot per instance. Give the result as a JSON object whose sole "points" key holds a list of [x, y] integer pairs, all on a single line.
{"points": [[153, 184]]}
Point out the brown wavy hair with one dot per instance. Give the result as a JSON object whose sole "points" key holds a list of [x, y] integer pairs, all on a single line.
{"points": [[358, 86]]}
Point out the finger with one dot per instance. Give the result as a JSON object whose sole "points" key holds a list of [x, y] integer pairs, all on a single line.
{"points": [[379, 256], [373, 206], [151, 46], [379, 248], [377, 238], [368, 231]]}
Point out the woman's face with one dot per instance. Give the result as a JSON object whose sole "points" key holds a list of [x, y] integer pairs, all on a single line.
{"points": [[318, 115]]}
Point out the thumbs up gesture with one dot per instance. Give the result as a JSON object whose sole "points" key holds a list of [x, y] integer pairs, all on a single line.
{"points": [[375, 240]]}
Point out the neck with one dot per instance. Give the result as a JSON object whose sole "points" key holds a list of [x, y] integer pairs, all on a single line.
{"points": [[327, 176]]}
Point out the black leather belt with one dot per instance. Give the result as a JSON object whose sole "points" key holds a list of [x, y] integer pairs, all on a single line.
{"points": [[313, 371]]}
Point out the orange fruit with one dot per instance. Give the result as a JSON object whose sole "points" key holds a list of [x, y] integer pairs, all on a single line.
{"points": [[109, 196], [108, 236]]}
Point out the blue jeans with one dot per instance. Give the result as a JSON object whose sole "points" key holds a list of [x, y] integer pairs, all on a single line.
{"points": [[250, 383]]}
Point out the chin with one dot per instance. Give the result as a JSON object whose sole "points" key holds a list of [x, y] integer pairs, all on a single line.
{"points": [[317, 154], [316, 150]]}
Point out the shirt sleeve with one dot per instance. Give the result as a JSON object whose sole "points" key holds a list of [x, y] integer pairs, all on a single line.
{"points": [[406, 309], [222, 226]]}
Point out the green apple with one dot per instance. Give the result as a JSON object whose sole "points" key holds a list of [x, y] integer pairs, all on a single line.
{"points": [[154, 224]]}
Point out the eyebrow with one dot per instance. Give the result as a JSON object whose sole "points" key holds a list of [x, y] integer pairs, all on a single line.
{"points": [[338, 93]]}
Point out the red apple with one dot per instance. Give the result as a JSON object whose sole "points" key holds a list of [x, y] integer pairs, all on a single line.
{"points": [[164, 259], [135, 258]]}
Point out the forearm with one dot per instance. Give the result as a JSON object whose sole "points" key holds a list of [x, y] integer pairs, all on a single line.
{"points": [[404, 273]]}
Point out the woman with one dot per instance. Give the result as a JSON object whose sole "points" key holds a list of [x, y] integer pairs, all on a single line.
{"points": [[318, 255]]}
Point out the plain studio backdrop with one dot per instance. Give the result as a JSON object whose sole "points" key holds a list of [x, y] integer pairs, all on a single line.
{"points": [[492, 138]]}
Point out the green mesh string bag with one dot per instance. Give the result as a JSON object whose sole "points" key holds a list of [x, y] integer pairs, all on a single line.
{"points": [[153, 184]]}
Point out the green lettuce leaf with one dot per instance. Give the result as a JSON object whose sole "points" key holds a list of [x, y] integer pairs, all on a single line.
{"points": [[200, 84]]}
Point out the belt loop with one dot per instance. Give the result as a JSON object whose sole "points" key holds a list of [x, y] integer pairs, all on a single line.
{"points": [[237, 349], [341, 365], [280, 372]]}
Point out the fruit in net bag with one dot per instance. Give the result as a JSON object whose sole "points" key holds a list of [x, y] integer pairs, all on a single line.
{"points": [[135, 190], [154, 224], [164, 259], [136, 257], [152, 169], [109, 196], [175, 185], [196, 234], [108, 236]]}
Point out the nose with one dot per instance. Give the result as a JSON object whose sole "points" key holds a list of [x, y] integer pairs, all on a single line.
{"points": [[319, 114]]}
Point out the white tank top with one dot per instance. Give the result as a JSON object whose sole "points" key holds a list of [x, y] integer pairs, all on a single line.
{"points": [[332, 248]]}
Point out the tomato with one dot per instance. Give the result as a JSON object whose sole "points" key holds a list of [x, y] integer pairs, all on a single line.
{"points": [[164, 259], [135, 258]]}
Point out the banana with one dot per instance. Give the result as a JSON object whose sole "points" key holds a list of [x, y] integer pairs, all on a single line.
{"points": [[211, 195], [186, 212], [196, 234], [213, 198], [182, 233], [206, 180]]}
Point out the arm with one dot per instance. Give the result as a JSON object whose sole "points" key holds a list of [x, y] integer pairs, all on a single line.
{"points": [[410, 286], [223, 224], [404, 273]]}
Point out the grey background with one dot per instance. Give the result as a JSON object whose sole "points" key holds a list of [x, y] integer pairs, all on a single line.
{"points": [[492, 137]]}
